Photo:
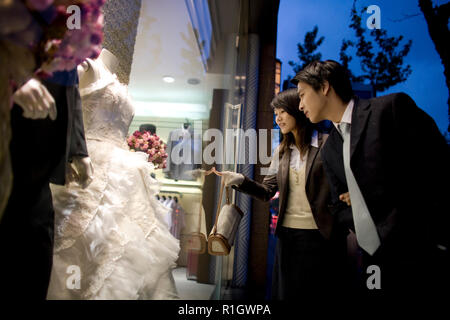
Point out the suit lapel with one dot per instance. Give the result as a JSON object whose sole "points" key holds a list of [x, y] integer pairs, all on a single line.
{"points": [[312, 153], [360, 115]]}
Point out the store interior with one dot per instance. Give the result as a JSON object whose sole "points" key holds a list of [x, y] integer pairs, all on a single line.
{"points": [[185, 57]]}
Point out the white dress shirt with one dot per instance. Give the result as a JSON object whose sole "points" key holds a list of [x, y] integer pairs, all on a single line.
{"points": [[347, 116], [295, 161]]}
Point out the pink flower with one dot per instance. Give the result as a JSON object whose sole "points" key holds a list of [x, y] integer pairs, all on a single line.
{"points": [[146, 135], [96, 38], [151, 144]]}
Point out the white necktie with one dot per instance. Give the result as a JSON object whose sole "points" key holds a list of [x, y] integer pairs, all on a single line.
{"points": [[366, 231]]}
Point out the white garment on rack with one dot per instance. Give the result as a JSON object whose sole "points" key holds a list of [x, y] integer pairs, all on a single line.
{"points": [[183, 140], [168, 217]]}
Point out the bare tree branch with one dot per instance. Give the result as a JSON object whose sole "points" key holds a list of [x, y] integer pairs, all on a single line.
{"points": [[437, 21], [406, 17]]}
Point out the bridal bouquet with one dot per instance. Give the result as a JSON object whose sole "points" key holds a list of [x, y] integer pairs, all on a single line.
{"points": [[59, 34], [152, 145], [37, 38]]}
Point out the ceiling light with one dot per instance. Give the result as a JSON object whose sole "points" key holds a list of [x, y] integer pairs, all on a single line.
{"points": [[168, 79], [193, 81]]}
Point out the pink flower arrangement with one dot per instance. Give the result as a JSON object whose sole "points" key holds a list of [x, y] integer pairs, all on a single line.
{"points": [[42, 28], [66, 52], [152, 145]]}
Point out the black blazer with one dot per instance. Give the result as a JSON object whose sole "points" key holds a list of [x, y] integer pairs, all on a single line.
{"points": [[41, 148], [317, 188], [68, 103], [400, 161]]}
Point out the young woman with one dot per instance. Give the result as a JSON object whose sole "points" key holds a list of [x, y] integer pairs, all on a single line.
{"points": [[308, 254]]}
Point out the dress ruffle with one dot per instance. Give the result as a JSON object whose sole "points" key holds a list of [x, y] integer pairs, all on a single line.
{"points": [[114, 231]]}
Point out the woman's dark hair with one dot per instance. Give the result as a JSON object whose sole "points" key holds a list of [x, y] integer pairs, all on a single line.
{"points": [[317, 72], [289, 101]]}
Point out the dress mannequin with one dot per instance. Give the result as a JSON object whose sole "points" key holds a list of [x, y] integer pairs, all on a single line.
{"points": [[109, 60], [115, 229], [88, 75], [83, 173]]}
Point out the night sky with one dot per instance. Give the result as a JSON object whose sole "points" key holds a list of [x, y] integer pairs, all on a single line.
{"points": [[426, 84]]}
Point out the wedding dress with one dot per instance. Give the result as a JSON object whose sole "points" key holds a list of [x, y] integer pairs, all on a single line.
{"points": [[111, 239]]}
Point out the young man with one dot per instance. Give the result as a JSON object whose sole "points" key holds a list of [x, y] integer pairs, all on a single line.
{"points": [[387, 165]]}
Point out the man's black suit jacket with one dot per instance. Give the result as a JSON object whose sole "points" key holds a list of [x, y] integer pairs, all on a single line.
{"points": [[64, 88], [39, 150], [400, 161]]}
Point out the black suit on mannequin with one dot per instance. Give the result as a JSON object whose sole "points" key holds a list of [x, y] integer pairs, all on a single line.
{"points": [[400, 162], [40, 150]]}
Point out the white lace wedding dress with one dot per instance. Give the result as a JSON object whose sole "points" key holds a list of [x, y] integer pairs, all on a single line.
{"points": [[111, 239]]}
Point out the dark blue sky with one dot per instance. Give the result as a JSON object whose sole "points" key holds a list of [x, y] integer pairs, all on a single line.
{"points": [[426, 84]]}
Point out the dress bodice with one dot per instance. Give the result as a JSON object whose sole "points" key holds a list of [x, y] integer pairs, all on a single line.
{"points": [[107, 110]]}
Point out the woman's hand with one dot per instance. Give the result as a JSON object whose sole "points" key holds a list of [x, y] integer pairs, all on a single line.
{"points": [[230, 178], [345, 197]]}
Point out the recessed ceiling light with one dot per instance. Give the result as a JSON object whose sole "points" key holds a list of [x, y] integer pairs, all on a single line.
{"points": [[168, 79], [193, 81]]}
